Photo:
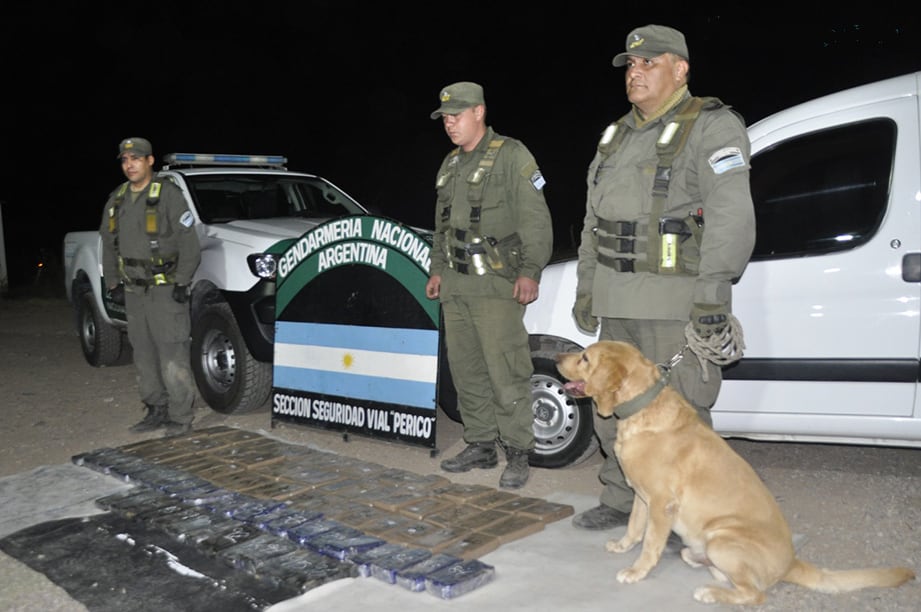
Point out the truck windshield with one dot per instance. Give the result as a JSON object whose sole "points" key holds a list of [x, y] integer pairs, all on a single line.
{"points": [[233, 197]]}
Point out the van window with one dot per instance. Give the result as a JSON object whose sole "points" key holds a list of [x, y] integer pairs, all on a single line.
{"points": [[822, 192]]}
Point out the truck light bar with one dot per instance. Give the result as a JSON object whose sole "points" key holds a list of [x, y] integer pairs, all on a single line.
{"points": [[202, 159]]}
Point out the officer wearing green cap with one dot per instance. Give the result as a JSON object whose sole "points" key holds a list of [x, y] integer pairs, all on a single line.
{"points": [[493, 237], [669, 225], [150, 252]]}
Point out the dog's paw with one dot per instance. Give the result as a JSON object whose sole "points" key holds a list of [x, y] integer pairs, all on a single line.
{"points": [[631, 575], [619, 546], [688, 557], [704, 595]]}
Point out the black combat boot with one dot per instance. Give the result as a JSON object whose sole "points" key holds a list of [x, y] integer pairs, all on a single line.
{"points": [[156, 417], [476, 455], [517, 470], [601, 518]]}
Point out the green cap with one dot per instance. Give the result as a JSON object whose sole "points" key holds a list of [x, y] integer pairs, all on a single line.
{"points": [[135, 146], [652, 41], [458, 96]]}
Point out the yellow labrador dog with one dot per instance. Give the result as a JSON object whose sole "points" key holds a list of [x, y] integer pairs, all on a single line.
{"points": [[687, 479]]}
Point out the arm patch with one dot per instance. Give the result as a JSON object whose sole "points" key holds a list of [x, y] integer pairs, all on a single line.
{"points": [[537, 180], [726, 159]]}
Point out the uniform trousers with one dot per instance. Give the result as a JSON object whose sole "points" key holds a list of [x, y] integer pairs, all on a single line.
{"points": [[159, 328], [659, 341], [490, 362]]}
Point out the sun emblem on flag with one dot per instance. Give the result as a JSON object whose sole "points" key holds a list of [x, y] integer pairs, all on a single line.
{"points": [[348, 360]]}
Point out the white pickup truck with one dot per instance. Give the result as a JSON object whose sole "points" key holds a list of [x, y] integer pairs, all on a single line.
{"points": [[830, 303]]}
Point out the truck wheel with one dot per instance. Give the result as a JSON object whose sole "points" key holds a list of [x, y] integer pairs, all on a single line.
{"points": [[564, 430], [229, 378], [102, 344]]}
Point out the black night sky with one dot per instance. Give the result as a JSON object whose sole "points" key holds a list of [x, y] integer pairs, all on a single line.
{"points": [[344, 89]]}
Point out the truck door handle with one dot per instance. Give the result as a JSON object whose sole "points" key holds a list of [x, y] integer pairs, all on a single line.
{"points": [[911, 267]]}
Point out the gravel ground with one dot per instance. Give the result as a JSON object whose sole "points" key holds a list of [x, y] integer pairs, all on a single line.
{"points": [[854, 506]]}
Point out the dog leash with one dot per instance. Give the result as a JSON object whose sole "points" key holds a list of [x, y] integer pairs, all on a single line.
{"points": [[671, 363]]}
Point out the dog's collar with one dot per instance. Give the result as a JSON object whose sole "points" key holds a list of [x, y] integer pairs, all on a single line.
{"points": [[632, 406]]}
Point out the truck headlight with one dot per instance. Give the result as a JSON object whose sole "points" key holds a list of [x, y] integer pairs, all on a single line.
{"points": [[262, 265]]}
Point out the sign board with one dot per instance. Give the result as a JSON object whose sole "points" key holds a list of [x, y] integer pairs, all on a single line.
{"points": [[356, 339]]}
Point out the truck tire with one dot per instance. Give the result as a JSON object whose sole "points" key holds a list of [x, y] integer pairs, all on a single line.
{"points": [[229, 378], [564, 429], [102, 344]]}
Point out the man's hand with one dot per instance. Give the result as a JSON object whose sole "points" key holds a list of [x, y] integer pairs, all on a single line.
{"points": [[181, 293], [117, 294], [582, 313], [709, 319], [433, 287], [526, 290]]}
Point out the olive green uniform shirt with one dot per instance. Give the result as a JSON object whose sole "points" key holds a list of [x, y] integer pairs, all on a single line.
{"points": [[512, 200], [620, 188], [176, 234]]}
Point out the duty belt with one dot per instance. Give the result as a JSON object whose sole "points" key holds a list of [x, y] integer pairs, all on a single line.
{"points": [[142, 282], [471, 253], [677, 240], [621, 228], [623, 264], [477, 252], [621, 237], [618, 244]]}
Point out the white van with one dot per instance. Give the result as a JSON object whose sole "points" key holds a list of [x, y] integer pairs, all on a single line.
{"points": [[830, 302]]}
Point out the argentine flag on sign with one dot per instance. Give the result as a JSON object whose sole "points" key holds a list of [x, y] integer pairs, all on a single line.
{"points": [[385, 364]]}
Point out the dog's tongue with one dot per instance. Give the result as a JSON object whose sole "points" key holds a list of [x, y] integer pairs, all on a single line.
{"points": [[575, 387]]}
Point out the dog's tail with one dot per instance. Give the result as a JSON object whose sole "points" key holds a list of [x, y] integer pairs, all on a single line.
{"points": [[808, 575]]}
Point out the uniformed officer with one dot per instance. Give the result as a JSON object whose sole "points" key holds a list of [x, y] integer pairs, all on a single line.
{"points": [[493, 237], [150, 252], [669, 224]]}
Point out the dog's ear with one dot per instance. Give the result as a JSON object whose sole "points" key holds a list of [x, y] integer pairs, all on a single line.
{"points": [[604, 382]]}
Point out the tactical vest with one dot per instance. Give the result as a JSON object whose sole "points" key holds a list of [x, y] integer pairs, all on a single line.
{"points": [[467, 250], [672, 244], [159, 270]]}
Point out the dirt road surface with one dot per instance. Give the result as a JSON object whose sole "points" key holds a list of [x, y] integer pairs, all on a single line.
{"points": [[854, 506]]}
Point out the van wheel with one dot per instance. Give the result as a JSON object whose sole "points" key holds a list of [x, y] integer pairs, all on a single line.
{"points": [[229, 378], [564, 430]]}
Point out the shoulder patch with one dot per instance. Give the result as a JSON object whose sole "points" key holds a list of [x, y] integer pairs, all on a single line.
{"points": [[537, 180], [187, 219], [726, 159]]}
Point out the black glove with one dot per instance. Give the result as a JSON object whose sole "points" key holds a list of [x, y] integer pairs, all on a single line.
{"points": [[181, 293], [582, 313], [117, 295], [709, 319]]}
